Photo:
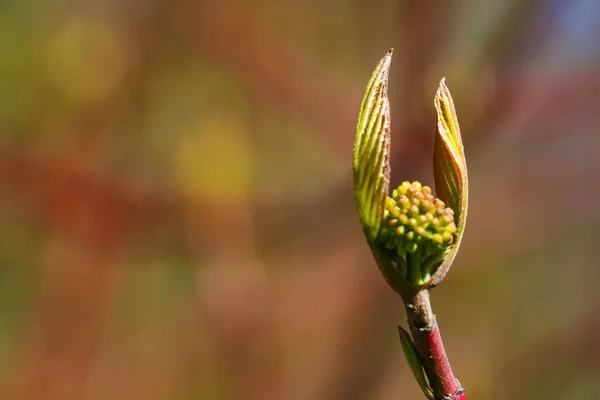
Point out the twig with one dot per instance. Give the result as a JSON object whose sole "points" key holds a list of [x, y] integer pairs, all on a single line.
{"points": [[428, 341]]}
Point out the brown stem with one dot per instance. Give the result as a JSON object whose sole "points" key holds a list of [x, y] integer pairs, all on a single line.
{"points": [[428, 341]]}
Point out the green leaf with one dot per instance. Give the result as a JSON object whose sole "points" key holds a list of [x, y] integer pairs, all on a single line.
{"points": [[412, 357], [449, 171], [371, 163]]}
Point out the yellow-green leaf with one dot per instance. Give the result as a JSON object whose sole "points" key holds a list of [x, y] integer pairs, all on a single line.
{"points": [[412, 357], [449, 170], [371, 164]]}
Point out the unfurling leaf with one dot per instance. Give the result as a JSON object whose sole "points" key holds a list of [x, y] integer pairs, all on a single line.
{"points": [[371, 163], [450, 171]]}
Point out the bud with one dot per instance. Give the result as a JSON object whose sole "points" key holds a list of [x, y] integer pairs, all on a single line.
{"points": [[418, 241], [414, 235]]}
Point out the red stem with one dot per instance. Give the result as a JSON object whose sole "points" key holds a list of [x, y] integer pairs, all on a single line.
{"points": [[428, 340]]}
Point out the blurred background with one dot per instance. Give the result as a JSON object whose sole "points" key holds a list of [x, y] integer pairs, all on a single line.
{"points": [[176, 204]]}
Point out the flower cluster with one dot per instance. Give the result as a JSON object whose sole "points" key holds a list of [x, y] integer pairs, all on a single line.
{"points": [[416, 226]]}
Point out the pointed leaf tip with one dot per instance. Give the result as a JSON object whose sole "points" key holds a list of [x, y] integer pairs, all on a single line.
{"points": [[449, 170], [371, 164]]}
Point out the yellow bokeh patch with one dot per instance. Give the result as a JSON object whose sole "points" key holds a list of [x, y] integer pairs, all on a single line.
{"points": [[85, 58], [214, 158]]}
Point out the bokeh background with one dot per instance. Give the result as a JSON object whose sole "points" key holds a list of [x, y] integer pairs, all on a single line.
{"points": [[176, 204]]}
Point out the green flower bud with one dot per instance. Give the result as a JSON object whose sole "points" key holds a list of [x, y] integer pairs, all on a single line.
{"points": [[419, 235], [403, 219]]}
